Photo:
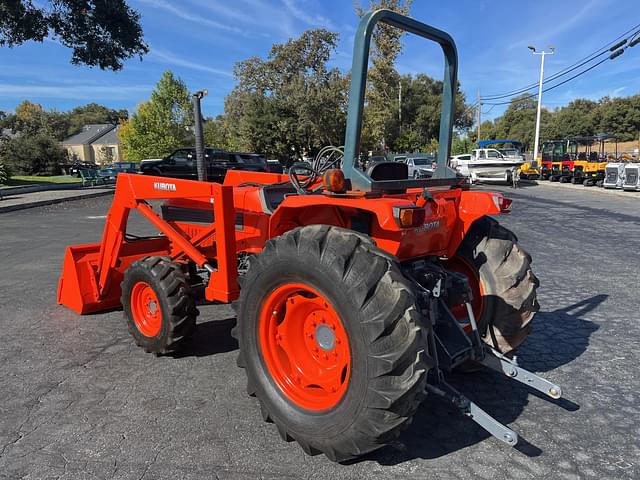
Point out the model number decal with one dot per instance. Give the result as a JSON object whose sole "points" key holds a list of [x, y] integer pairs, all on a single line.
{"points": [[428, 226], [165, 187]]}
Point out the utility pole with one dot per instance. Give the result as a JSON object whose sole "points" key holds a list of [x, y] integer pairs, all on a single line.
{"points": [[478, 115], [542, 54], [399, 105]]}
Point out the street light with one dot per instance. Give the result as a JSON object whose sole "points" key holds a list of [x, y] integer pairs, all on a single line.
{"points": [[534, 163]]}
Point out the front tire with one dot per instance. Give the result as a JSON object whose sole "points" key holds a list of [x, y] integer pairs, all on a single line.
{"points": [[507, 285], [319, 299], [158, 304]]}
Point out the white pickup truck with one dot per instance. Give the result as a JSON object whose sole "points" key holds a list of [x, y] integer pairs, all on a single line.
{"points": [[487, 165]]}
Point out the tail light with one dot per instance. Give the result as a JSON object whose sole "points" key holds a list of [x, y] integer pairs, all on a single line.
{"points": [[409, 216], [502, 203]]}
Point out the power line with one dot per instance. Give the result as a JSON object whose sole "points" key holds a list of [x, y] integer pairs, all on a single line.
{"points": [[605, 49], [488, 111], [611, 57]]}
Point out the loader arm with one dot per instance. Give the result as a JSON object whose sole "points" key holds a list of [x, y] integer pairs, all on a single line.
{"points": [[98, 287]]}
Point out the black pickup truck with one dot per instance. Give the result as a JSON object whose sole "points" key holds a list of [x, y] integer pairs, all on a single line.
{"points": [[182, 164]]}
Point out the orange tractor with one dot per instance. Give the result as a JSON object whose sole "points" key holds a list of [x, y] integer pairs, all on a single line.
{"points": [[356, 291]]}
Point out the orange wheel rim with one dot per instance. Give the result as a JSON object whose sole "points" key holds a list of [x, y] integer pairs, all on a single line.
{"points": [[305, 346], [460, 265], [145, 309]]}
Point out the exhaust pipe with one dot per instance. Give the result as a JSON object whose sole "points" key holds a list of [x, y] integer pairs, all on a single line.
{"points": [[197, 120]]}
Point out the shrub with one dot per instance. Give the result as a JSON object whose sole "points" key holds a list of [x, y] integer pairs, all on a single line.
{"points": [[4, 172]]}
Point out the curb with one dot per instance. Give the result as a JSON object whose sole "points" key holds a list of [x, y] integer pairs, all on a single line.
{"points": [[52, 201], [600, 190], [40, 188]]}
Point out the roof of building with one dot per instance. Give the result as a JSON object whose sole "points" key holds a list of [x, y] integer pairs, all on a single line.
{"points": [[89, 134], [109, 138]]}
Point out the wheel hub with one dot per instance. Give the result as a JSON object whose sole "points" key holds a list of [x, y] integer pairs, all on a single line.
{"points": [[325, 337], [305, 346], [152, 306], [145, 309]]}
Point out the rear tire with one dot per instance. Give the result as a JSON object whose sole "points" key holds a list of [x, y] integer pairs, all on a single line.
{"points": [[509, 286], [158, 304], [385, 381]]}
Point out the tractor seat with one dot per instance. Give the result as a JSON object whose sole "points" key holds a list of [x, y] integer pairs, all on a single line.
{"points": [[388, 171]]}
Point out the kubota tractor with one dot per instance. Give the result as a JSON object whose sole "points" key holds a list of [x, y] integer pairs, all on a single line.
{"points": [[356, 292]]}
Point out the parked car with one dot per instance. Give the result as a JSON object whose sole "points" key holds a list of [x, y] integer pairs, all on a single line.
{"points": [[182, 164], [275, 166], [420, 166], [74, 171], [109, 174], [125, 167]]}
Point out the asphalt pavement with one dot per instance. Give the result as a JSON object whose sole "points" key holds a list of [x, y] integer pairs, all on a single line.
{"points": [[79, 400]]}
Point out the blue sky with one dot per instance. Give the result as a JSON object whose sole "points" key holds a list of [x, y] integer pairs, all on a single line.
{"points": [[200, 40]]}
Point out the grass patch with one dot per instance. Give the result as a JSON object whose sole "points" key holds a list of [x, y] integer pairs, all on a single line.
{"points": [[21, 180]]}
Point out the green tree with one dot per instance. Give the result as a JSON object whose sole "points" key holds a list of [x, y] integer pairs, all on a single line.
{"points": [[421, 107], [619, 117], [216, 133], [161, 124], [461, 145], [290, 104], [383, 78], [92, 113], [5, 172], [36, 154], [101, 33], [518, 121], [30, 119], [408, 141]]}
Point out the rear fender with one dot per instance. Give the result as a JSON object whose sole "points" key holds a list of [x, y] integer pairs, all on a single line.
{"points": [[472, 207], [329, 210]]}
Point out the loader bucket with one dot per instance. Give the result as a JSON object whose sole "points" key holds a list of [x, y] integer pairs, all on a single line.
{"points": [[77, 288]]}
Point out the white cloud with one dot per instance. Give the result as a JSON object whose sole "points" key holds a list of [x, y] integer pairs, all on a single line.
{"points": [[313, 20], [170, 58], [74, 92], [577, 19], [185, 14]]}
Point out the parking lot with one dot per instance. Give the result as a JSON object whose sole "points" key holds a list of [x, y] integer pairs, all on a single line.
{"points": [[79, 400]]}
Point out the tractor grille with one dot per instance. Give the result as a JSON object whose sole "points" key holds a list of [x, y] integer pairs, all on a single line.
{"points": [[632, 178], [612, 177]]}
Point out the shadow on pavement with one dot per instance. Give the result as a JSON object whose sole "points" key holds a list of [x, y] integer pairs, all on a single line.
{"points": [[438, 429], [558, 337], [210, 338]]}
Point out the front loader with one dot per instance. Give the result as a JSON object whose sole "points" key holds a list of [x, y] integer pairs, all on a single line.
{"points": [[356, 292]]}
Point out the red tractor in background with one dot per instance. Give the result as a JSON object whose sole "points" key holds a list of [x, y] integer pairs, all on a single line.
{"points": [[356, 292], [558, 160]]}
